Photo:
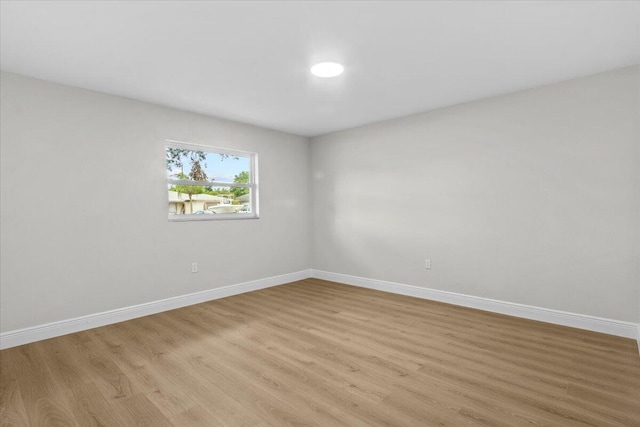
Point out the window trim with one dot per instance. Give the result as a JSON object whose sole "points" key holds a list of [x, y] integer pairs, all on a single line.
{"points": [[252, 185]]}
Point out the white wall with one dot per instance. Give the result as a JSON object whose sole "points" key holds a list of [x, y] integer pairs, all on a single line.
{"points": [[531, 198], [528, 198], [83, 210]]}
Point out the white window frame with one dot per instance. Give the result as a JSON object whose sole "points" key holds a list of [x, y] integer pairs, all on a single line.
{"points": [[252, 185]]}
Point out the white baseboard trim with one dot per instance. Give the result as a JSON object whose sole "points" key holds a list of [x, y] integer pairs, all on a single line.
{"points": [[580, 321], [63, 327]]}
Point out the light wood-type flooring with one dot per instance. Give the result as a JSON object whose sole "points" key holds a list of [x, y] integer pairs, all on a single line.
{"points": [[323, 354]]}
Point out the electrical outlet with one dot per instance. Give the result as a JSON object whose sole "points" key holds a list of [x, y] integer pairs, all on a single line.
{"points": [[194, 267], [427, 264]]}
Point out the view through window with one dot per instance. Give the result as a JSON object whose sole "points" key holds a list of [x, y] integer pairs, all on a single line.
{"points": [[210, 183]]}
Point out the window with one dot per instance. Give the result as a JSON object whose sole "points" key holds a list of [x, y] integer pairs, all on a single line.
{"points": [[207, 183]]}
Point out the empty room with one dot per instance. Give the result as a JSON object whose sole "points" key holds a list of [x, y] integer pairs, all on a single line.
{"points": [[320, 213]]}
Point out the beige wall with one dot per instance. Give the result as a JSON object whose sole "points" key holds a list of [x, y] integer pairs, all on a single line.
{"points": [[530, 198], [70, 255]]}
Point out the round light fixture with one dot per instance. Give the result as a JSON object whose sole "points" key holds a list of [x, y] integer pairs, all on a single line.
{"points": [[327, 69]]}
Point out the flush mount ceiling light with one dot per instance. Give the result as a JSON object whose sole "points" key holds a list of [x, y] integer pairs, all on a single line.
{"points": [[327, 69]]}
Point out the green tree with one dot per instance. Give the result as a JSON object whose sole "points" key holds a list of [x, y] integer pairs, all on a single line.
{"points": [[241, 178], [177, 157]]}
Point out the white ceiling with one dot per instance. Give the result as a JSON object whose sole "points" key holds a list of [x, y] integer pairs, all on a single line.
{"points": [[249, 61]]}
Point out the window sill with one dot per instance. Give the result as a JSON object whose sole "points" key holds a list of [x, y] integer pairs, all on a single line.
{"points": [[211, 217]]}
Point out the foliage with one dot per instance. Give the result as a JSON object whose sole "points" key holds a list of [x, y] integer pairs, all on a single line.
{"points": [[241, 178], [188, 189], [177, 156], [197, 174], [196, 189]]}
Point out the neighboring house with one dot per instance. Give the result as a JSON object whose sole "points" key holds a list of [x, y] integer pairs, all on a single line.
{"points": [[179, 203]]}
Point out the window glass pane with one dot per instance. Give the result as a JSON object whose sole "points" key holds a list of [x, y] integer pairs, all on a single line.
{"points": [[201, 200], [206, 166]]}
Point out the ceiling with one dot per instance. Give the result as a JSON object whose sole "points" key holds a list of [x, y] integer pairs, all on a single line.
{"points": [[249, 61]]}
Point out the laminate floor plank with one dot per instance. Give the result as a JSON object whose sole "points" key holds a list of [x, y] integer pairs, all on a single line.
{"points": [[84, 399], [95, 364], [319, 353], [276, 377], [440, 391], [345, 396], [12, 409], [171, 376], [558, 362], [469, 326], [142, 412], [195, 417], [44, 402]]}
